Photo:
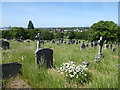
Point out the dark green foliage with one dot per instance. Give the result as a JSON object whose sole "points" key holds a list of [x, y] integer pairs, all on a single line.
{"points": [[107, 29], [47, 35], [15, 33], [82, 35], [32, 33], [30, 25], [72, 35], [5, 34], [58, 35]]}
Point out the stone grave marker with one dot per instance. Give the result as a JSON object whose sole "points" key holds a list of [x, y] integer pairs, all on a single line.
{"points": [[82, 46], [95, 45], [44, 56], [113, 49], [4, 44], [10, 69], [91, 44], [99, 55]]}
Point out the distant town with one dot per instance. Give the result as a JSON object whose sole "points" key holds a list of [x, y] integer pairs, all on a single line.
{"points": [[59, 29]]}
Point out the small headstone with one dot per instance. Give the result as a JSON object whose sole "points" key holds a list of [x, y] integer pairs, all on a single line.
{"points": [[113, 49], [111, 46], [86, 64], [91, 44], [82, 46], [95, 45], [76, 42], [4, 44], [86, 45]]}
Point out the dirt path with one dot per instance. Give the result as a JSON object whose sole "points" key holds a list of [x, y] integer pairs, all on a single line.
{"points": [[17, 83]]}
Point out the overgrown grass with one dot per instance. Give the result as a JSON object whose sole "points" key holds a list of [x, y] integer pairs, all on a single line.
{"points": [[104, 74]]}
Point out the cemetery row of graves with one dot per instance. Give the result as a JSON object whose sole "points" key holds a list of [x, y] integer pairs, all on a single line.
{"points": [[61, 63]]}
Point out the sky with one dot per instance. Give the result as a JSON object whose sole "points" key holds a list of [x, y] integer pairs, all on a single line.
{"points": [[58, 14]]}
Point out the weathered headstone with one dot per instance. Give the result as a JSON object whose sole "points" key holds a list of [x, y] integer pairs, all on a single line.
{"points": [[113, 49], [4, 44], [95, 45], [110, 46], [44, 56], [99, 55], [91, 44], [82, 46], [86, 64], [10, 69], [86, 45]]}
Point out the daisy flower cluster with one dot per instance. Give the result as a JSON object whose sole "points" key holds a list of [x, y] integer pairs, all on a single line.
{"points": [[73, 71]]}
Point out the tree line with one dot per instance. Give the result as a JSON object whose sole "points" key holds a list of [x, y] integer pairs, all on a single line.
{"points": [[107, 29]]}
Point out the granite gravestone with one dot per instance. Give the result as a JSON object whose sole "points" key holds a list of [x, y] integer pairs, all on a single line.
{"points": [[44, 56]]}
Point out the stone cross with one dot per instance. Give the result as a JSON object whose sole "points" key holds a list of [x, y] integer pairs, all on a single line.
{"points": [[100, 42], [38, 42]]}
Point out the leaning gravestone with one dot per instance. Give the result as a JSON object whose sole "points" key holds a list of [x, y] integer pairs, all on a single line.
{"points": [[44, 56], [10, 69], [99, 55]]}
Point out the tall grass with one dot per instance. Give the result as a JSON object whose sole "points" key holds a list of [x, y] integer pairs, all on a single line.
{"points": [[104, 74]]}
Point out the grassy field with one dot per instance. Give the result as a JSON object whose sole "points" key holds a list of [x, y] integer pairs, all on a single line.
{"points": [[104, 73]]}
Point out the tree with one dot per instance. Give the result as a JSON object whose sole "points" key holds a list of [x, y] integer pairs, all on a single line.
{"points": [[30, 25], [72, 35], [47, 35], [32, 33], [17, 32], [107, 29], [58, 35]]}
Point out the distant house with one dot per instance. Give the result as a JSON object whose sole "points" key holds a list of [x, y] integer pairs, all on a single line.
{"points": [[5, 28]]}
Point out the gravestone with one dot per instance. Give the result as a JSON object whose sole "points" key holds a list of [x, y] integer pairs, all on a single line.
{"points": [[95, 45], [91, 44], [110, 46], [65, 42], [82, 46], [44, 56], [86, 64], [113, 49], [99, 55], [10, 69], [4, 44], [78, 41], [86, 45]]}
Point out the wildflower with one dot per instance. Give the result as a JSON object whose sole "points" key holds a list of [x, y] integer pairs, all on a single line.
{"points": [[71, 75], [61, 72], [77, 76]]}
